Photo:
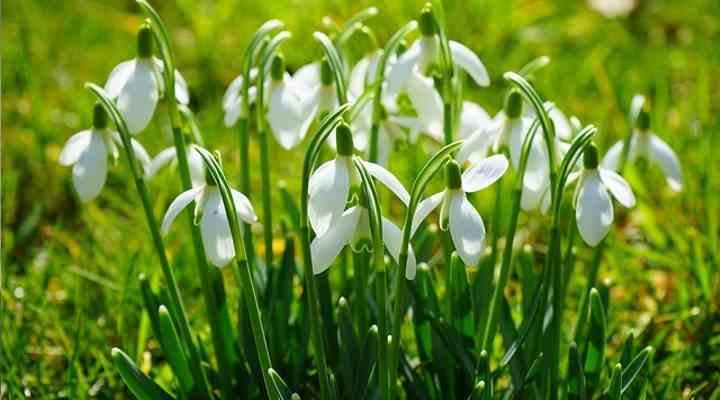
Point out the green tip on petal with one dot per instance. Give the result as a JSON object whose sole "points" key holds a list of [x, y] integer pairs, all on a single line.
{"points": [[144, 41], [326, 74], [278, 67], [99, 117], [513, 105], [344, 139], [643, 119], [590, 157], [425, 21], [453, 176]]}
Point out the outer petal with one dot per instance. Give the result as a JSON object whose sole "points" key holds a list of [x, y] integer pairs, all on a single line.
{"points": [[243, 207], [618, 187], [177, 206], [308, 75], [75, 147], [393, 241], [427, 103], [611, 160], [667, 160], [389, 180], [472, 119], [594, 210], [484, 173], [140, 154], [162, 159], [470, 62], [359, 75], [118, 77], [466, 229], [328, 190], [182, 94], [215, 231], [196, 166], [139, 96], [424, 209], [402, 69], [285, 114], [90, 170], [232, 92], [324, 248], [562, 125], [477, 145]]}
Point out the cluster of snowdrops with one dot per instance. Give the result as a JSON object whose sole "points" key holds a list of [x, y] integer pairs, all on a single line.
{"points": [[358, 109]]}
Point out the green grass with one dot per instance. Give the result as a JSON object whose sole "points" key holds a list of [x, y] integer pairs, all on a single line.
{"points": [[69, 280]]}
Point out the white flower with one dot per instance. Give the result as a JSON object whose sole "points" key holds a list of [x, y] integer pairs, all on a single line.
{"points": [[457, 214], [137, 85], [353, 228], [169, 155], [613, 8], [214, 226], [316, 82], [593, 207], [329, 188], [285, 112], [88, 151], [233, 103], [646, 145]]}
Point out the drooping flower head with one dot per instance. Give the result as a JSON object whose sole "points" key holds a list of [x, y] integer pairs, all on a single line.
{"points": [[593, 207], [88, 152], [457, 214], [137, 84], [646, 145]]}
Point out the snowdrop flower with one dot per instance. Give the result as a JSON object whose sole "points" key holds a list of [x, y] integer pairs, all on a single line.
{"points": [[169, 156], [285, 109], [593, 207], [329, 186], [137, 84], [613, 8], [88, 151], [457, 214], [317, 81], [353, 228], [210, 212], [413, 69], [233, 103], [646, 145]]}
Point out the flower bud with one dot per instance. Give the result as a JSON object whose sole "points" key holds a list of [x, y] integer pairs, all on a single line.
{"points": [[453, 176], [278, 67], [144, 41], [326, 73], [99, 117], [425, 22], [513, 105], [344, 140], [590, 157]]}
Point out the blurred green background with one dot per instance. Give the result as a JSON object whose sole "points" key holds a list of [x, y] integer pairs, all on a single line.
{"points": [[69, 287]]}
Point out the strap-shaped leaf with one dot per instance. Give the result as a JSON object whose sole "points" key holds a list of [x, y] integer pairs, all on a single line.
{"points": [[139, 384], [633, 370], [614, 391], [595, 349], [174, 351], [279, 385], [576, 377], [367, 360]]}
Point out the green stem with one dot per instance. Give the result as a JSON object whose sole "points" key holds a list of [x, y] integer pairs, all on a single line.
{"points": [[244, 137], [315, 319], [360, 264], [448, 120], [266, 199], [381, 293], [374, 139]]}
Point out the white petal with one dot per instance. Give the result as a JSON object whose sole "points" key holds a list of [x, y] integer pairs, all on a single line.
{"points": [[139, 96], [90, 170], [402, 69], [594, 210], [667, 160], [328, 190], [308, 75], [243, 207], [513, 132], [285, 114], [118, 77], [617, 185], [537, 171], [177, 206], [427, 103], [466, 229], [75, 147], [196, 166], [182, 94], [232, 92], [470, 62], [215, 231], [162, 159], [611, 160], [484, 173], [141, 155], [424, 209], [389, 180], [392, 236], [472, 119], [531, 199], [233, 112], [477, 145], [562, 125], [324, 248], [359, 75]]}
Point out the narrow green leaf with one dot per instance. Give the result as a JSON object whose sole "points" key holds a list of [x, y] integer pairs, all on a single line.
{"points": [[279, 385], [614, 391], [595, 348], [368, 355], [633, 370], [174, 351], [139, 384], [576, 378]]}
